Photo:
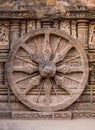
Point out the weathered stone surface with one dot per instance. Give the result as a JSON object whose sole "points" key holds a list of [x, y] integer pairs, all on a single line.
{"points": [[74, 17], [50, 2], [42, 115], [45, 62]]}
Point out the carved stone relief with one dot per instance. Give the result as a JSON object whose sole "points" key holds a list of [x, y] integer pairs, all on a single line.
{"points": [[74, 28], [42, 115], [56, 24], [92, 73], [38, 24], [1, 73], [39, 83], [14, 31], [4, 32], [30, 25], [23, 28], [92, 36], [65, 26], [46, 70], [82, 27]]}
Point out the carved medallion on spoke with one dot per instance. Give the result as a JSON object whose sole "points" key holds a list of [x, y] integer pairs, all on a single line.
{"points": [[47, 70]]}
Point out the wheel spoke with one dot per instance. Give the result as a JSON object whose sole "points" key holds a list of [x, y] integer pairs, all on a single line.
{"points": [[60, 81], [53, 85], [74, 79], [37, 46], [22, 79], [47, 51], [41, 87], [26, 69], [47, 88], [62, 54], [34, 56], [76, 57], [27, 49], [57, 45], [68, 69], [33, 83], [26, 60]]}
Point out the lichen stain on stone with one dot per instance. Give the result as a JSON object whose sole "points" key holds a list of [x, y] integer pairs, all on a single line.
{"points": [[50, 2], [60, 6]]}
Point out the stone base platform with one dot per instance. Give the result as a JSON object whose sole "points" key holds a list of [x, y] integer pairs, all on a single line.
{"points": [[80, 124]]}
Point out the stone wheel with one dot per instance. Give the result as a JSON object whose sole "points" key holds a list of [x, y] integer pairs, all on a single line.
{"points": [[47, 70]]}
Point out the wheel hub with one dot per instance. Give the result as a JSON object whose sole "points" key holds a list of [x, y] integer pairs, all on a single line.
{"points": [[47, 69]]}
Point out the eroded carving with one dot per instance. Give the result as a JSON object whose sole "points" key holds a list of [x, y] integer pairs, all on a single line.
{"points": [[92, 36], [4, 32], [83, 114], [65, 26], [51, 64], [42, 115], [92, 73], [30, 25]]}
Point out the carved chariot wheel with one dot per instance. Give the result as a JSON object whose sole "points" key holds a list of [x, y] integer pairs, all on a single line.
{"points": [[47, 70]]}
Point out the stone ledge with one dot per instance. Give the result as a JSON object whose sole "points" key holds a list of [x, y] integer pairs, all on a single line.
{"points": [[61, 115], [46, 14]]}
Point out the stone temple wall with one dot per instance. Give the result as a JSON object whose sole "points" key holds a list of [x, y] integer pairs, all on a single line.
{"points": [[76, 18]]}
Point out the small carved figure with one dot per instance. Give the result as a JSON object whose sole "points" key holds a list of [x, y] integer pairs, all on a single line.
{"points": [[65, 26], [92, 69], [92, 36], [3, 35]]}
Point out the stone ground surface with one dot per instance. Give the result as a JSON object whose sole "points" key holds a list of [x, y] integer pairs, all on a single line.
{"points": [[79, 124]]}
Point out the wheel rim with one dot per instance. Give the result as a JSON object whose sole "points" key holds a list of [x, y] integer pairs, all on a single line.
{"points": [[47, 70]]}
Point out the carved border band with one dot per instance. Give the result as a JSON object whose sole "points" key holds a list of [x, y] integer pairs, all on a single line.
{"points": [[61, 115], [34, 15], [42, 115]]}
